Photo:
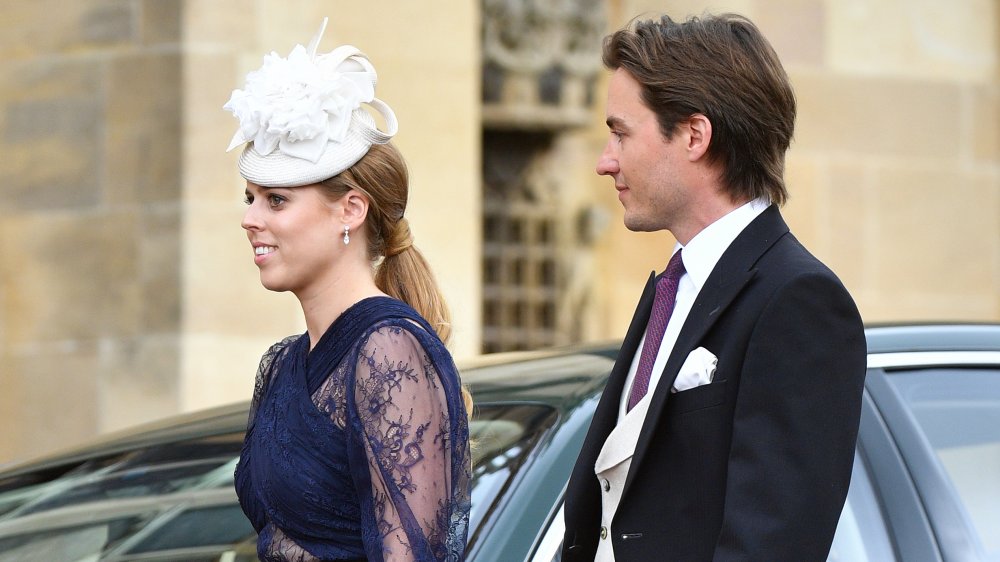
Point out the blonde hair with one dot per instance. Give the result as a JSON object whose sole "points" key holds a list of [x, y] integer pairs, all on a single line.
{"points": [[403, 274]]}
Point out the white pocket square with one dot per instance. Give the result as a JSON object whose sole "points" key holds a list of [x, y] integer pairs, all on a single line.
{"points": [[698, 369]]}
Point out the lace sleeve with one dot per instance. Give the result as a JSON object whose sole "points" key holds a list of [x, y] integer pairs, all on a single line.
{"points": [[404, 415], [268, 363]]}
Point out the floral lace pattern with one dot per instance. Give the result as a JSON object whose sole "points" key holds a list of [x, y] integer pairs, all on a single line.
{"points": [[399, 435]]}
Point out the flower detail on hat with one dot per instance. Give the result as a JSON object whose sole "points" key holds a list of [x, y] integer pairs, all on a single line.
{"points": [[300, 103]]}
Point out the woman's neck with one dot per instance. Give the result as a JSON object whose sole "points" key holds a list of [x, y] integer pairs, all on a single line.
{"points": [[323, 305]]}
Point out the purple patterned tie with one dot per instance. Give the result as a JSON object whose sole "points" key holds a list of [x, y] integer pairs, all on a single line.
{"points": [[663, 306]]}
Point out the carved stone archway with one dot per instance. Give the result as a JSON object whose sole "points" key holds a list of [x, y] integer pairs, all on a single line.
{"points": [[540, 63]]}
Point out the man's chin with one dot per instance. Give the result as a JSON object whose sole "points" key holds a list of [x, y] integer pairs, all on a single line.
{"points": [[636, 224]]}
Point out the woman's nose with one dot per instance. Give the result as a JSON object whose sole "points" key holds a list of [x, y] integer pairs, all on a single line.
{"points": [[250, 219]]}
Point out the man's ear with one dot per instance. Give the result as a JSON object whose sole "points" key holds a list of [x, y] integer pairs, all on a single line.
{"points": [[699, 132]]}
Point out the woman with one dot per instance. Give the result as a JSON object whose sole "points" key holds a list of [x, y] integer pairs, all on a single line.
{"points": [[357, 444]]}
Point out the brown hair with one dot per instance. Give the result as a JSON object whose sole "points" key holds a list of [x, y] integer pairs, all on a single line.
{"points": [[404, 273], [723, 68]]}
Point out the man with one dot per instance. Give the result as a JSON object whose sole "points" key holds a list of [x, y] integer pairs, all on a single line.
{"points": [[729, 433]]}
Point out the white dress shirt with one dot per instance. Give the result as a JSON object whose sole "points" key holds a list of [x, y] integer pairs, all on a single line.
{"points": [[699, 257]]}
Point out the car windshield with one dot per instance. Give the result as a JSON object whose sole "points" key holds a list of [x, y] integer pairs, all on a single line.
{"points": [[171, 501], [958, 411], [157, 470], [175, 501]]}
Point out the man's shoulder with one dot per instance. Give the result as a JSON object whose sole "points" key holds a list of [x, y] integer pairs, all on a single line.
{"points": [[789, 257]]}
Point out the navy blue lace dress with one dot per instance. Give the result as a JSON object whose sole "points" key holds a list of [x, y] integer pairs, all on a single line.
{"points": [[358, 449]]}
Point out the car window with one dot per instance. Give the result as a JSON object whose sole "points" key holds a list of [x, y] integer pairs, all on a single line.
{"points": [[958, 411], [503, 436], [861, 533]]}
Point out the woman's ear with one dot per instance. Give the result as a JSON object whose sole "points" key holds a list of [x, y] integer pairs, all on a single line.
{"points": [[355, 208]]}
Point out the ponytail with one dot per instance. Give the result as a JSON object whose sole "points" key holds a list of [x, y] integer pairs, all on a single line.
{"points": [[403, 273]]}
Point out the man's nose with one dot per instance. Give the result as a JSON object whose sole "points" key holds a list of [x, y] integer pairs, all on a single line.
{"points": [[607, 163]]}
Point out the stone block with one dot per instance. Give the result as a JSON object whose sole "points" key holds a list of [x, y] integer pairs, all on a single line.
{"points": [[805, 206], [108, 23], [49, 398], [220, 369], [161, 21], [138, 380], [292, 22], [795, 28], [924, 39], [210, 173], [159, 259], [51, 118], [938, 238], [226, 23], [875, 115], [144, 123], [984, 139], [849, 233], [70, 276], [54, 26]]}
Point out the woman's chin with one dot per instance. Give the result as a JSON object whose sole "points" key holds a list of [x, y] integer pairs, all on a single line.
{"points": [[275, 285]]}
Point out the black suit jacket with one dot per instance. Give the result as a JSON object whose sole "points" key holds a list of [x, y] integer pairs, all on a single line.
{"points": [[755, 465]]}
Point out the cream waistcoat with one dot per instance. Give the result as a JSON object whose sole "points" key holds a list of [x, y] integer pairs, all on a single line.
{"points": [[611, 469]]}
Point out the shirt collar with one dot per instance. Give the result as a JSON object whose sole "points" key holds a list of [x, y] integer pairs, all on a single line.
{"points": [[704, 250]]}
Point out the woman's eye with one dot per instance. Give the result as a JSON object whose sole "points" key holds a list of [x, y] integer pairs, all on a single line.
{"points": [[275, 200], [248, 199]]}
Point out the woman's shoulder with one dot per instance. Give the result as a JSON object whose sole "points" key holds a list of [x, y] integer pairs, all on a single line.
{"points": [[398, 338], [396, 331], [278, 350], [283, 344], [397, 317]]}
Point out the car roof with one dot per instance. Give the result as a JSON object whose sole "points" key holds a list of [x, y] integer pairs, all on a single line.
{"points": [[899, 338], [561, 377]]}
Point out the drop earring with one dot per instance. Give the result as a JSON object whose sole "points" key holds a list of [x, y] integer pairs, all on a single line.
{"points": [[347, 235]]}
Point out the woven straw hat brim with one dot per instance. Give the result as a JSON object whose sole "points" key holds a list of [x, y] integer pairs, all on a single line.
{"points": [[278, 169]]}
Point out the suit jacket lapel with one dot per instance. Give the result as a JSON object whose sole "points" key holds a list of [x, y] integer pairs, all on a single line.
{"points": [[731, 274], [606, 415]]}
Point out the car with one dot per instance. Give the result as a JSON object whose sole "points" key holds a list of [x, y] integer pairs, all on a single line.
{"points": [[925, 486]]}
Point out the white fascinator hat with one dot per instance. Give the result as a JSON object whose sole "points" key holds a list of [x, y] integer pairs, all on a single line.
{"points": [[303, 118]]}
